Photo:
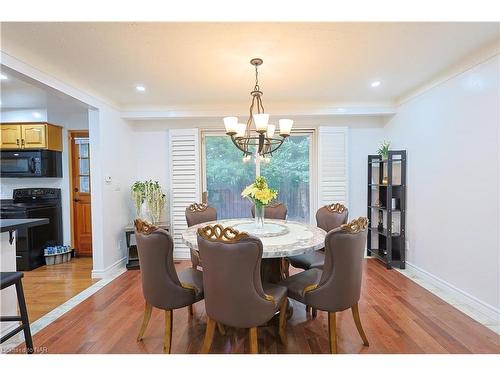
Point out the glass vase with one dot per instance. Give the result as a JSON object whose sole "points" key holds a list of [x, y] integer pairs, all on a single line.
{"points": [[259, 215]]}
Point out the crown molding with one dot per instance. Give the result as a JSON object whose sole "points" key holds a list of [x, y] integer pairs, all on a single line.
{"points": [[478, 57], [278, 110]]}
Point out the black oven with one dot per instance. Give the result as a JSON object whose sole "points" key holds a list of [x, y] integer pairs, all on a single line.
{"points": [[33, 163]]}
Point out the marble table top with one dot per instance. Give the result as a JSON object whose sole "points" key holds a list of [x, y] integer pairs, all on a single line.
{"points": [[299, 238]]}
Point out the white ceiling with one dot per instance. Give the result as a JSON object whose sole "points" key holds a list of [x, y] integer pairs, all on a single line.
{"points": [[16, 93], [19, 92], [184, 65]]}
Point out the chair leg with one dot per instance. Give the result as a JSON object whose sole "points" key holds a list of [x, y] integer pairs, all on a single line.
{"points": [[190, 309], [314, 312], [24, 317], [332, 330], [220, 328], [308, 309], [209, 336], [167, 340], [254, 346], [285, 268], [282, 322], [357, 320], [145, 321]]}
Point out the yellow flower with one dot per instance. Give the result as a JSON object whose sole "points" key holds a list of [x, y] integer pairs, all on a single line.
{"points": [[259, 191]]}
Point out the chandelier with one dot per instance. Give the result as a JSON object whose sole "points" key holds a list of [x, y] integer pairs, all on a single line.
{"points": [[257, 135]]}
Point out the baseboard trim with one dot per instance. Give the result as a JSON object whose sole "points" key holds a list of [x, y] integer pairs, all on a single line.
{"points": [[117, 266], [460, 297]]}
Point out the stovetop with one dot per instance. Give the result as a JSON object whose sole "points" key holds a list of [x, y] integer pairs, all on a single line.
{"points": [[31, 198], [9, 205]]}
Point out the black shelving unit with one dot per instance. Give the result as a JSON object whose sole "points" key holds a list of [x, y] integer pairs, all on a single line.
{"points": [[384, 241]]}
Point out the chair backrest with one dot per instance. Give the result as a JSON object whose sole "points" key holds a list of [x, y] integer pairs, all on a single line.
{"points": [[160, 285], [198, 213], [275, 210], [331, 216], [231, 277], [340, 284]]}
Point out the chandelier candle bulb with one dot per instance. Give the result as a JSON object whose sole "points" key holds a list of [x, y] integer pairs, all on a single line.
{"points": [[231, 124], [285, 127], [240, 130], [261, 120], [270, 130]]}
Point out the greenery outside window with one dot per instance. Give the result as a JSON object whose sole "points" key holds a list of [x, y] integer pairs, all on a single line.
{"points": [[226, 175]]}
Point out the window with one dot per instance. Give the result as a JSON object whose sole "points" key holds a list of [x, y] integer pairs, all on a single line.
{"points": [[83, 156], [226, 175]]}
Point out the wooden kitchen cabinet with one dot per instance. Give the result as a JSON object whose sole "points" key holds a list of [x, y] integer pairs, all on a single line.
{"points": [[29, 136], [10, 136]]}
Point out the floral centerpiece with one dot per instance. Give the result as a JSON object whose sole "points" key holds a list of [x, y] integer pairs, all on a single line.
{"points": [[260, 195]]}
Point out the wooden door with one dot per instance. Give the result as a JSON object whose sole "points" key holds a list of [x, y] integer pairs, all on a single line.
{"points": [[34, 136], [80, 170], [10, 136]]}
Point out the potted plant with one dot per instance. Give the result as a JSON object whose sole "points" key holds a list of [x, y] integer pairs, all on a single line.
{"points": [[383, 150], [137, 193], [260, 195], [151, 193]]}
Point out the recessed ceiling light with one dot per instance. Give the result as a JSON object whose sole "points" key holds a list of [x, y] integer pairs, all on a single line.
{"points": [[3, 76], [36, 114], [376, 83], [140, 88]]}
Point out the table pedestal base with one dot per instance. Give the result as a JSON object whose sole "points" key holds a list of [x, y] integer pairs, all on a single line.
{"points": [[271, 271]]}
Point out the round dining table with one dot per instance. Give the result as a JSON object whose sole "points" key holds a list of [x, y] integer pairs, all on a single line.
{"points": [[280, 239]]}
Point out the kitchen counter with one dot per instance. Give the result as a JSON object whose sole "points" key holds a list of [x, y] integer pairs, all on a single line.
{"points": [[8, 228], [7, 225]]}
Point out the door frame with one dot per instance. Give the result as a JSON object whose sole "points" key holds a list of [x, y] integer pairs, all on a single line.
{"points": [[71, 134]]}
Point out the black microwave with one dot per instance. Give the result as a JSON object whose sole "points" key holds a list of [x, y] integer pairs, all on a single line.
{"points": [[32, 163]]}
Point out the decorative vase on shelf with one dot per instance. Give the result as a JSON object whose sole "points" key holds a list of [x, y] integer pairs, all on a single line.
{"points": [[259, 215]]}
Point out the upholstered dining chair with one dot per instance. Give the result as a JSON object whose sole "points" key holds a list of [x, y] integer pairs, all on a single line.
{"points": [[327, 218], [198, 213], [338, 286], [162, 287], [237, 297], [274, 210]]}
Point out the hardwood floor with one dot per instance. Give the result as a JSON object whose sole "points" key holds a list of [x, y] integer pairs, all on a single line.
{"points": [[47, 287], [398, 316]]}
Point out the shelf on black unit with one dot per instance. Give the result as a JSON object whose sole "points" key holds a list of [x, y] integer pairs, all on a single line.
{"points": [[377, 253], [384, 208], [383, 232], [385, 185], [133, 264], [385, 161]]}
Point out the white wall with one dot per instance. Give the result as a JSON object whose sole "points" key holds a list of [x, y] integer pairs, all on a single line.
{"points": [[113, 157], [451, 133], [152, 159], [23, 115], [363, 141]]}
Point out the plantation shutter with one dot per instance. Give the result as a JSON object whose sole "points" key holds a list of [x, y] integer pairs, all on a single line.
{"points": [[332, 166], [184, 182]]}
